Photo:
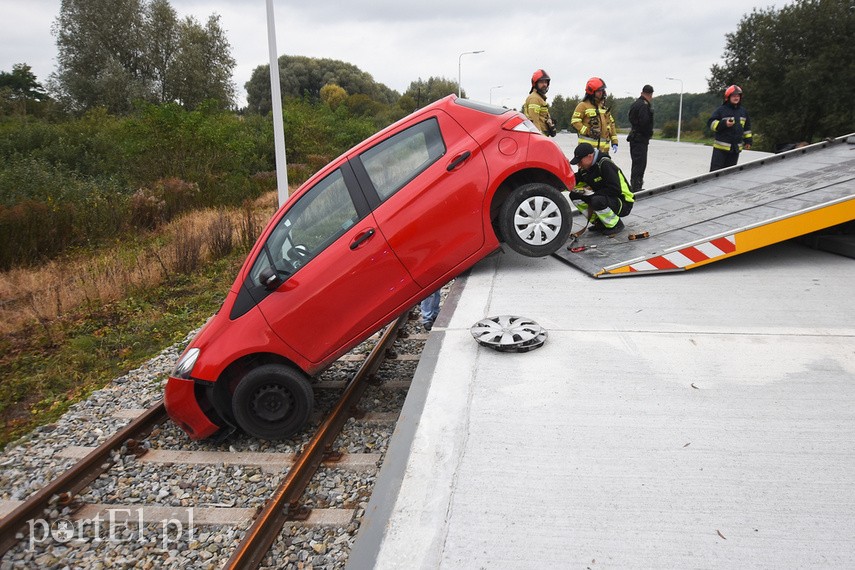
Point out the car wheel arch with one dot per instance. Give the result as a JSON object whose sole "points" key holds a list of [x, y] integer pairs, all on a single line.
{"points": [[511, 184], [273, 401], [226, 383]]}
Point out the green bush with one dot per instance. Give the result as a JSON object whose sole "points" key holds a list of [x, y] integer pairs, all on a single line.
{"points": [[669, 130], [87, 179], [47, 210]]}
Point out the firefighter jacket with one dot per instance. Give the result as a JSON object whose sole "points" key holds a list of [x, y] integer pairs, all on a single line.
{"points": [[537, 110], [605, 178], [730, 139], [641, 121], [595, 125]]}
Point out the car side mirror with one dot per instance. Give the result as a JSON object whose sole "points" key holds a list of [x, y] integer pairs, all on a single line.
{"points": [[269, 279]]}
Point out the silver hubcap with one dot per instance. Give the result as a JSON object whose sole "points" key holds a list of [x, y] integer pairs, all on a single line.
{"points": [[537, 220], [507, 333]]}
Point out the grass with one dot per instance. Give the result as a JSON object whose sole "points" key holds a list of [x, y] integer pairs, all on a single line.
{"points": [[41, 376], [50, 360]]}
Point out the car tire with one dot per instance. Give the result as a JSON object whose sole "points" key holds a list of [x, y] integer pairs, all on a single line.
{"points": [[535, 219], [273, 401]]}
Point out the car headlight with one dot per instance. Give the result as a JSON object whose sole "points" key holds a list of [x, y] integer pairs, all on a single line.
{"points": [[185, 364]]}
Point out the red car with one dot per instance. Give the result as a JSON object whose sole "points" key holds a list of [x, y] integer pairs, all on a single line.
{"points": [[362, 241]]}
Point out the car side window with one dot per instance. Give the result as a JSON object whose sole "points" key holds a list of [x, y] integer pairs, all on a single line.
{"points": [[319, 218], [392, 163]]}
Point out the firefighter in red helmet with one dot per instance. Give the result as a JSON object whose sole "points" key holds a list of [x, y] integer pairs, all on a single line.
{"points": [[535, 106], [731, 128], [593, 121]]}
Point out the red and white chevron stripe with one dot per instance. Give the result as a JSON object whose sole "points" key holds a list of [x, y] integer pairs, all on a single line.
{"points": [[688, 256]]}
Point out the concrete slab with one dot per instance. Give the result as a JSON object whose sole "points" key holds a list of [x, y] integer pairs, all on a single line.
{"points": [[702, 419]]}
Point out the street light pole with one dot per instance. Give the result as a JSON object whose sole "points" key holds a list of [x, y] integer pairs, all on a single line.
{"points": [[278, 126], [680, 113], [459, 58], [491, 92]]}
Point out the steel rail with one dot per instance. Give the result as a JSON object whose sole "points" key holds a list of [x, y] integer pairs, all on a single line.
{"points": [[269, 523], [77, 477]]}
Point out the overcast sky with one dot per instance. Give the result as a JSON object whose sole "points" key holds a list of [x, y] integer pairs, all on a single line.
{"points": [[627, 43]]}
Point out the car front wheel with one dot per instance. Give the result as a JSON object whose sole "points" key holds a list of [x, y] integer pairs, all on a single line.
{"points": [[273, 401], [535, 219]]}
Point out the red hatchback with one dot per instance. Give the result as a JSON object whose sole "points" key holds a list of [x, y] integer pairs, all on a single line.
{"points": [[362, 241]]}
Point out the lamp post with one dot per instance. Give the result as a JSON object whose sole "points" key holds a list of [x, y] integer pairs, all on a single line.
{"points": [[276, 102], [459, 58], [491, 92], [680, 112]]}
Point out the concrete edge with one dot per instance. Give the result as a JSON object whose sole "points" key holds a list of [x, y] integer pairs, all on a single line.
{"points": [[372, 530]]}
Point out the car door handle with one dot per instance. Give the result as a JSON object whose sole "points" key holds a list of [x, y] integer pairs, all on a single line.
{"points": [[457, 161], [362, 238]]}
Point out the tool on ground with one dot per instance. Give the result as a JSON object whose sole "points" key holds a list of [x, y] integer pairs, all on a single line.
{"points": [[641, 235], [580, 248]]}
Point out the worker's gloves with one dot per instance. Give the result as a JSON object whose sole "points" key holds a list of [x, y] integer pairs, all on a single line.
{"points": [[614, 148], [579, 194], [550, 128]]}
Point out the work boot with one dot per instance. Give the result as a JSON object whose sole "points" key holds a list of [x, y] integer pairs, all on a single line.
{"points": [[613, 230], [596, 226]]}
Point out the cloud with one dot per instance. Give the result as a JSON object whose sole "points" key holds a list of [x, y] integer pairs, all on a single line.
{"points": [[627, 43]]}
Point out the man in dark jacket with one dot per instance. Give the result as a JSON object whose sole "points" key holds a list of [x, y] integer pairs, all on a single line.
{"points": [[601, 193], [731, 128], [641, 120]]}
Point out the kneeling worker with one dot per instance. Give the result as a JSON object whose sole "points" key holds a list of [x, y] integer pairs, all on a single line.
{"points": [[602, 193]]}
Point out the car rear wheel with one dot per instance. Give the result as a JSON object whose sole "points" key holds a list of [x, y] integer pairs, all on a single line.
{"points": [[273, 401], [535, 219]]}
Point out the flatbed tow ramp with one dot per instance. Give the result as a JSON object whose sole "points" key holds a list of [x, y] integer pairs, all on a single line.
{"points": [[721, 214]]}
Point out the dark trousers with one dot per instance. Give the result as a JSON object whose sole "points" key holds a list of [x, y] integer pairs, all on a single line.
{"points": [[722, 159], [638, 154]]}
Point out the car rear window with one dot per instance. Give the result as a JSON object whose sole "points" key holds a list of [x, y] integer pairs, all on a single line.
{"points": [[392, 163]]}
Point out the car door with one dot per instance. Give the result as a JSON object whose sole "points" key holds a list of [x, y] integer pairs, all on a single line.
{"points": [[427, 186], [338, 274]]}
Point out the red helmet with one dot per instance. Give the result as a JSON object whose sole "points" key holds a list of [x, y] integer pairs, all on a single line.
{"points": [[732, 90], [538, 76], [594, 84]]}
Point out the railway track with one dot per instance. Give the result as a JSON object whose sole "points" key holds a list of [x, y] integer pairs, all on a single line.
{"points": [[233, 525]]}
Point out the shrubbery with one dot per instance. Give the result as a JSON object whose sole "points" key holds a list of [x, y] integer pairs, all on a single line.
{"points": [[85, 180]]}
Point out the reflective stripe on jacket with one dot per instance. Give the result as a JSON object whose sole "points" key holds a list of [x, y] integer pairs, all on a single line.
{"points": [[588, 117], [537, 110], [606, 178], [730, 139]]}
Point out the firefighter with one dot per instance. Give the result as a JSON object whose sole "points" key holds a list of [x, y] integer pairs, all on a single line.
{"points": [[535, 107], [602, 193], [731, 128], [593, 121]]}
